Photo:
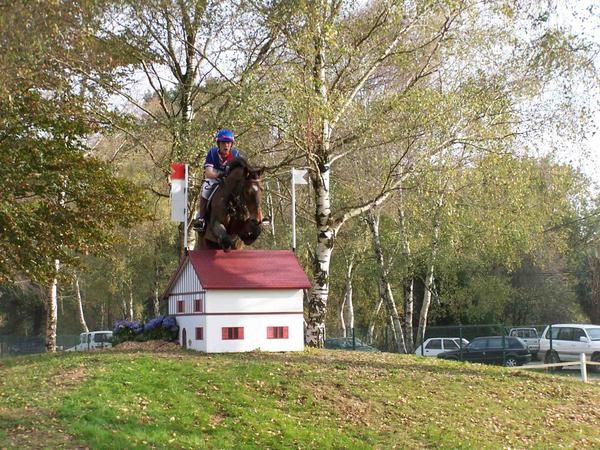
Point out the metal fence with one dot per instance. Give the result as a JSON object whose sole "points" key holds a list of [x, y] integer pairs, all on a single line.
{"points": [[383, 340], [27, 345]]}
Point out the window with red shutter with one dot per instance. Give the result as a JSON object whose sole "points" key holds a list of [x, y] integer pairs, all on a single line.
{"points": [[198, 306], [180, 306], [277, 332], [231, 333], [199, 334]]}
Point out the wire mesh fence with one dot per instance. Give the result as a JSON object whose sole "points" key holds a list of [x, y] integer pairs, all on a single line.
{"points": [[385, 340], [26, 345]]}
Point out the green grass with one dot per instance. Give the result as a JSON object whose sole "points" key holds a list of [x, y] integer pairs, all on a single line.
{"points": [[314, 399]]}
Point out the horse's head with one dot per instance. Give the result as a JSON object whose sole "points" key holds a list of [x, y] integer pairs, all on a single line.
{"points": [[246, 188], [251, 195]]}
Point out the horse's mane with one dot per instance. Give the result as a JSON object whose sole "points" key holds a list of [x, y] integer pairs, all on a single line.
{"points": [[238, 162], [237, 170]]}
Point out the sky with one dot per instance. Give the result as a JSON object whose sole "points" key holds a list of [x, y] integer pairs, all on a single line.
{"points": [[580, 17], [583, 16]]}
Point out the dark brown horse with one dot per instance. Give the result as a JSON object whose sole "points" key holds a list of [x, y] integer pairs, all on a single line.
{"points": [[234, 214]]}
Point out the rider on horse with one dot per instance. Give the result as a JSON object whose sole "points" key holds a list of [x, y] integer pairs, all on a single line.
{"points": [[214, 168]]}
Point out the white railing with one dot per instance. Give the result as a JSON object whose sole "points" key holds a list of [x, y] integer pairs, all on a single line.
{"points": [[582, 363]]}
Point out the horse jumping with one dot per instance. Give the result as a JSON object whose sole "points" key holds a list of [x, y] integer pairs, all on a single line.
{"points": [[234, 214]]}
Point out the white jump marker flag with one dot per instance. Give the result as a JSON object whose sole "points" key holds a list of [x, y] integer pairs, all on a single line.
{"points": [[297, 178]]}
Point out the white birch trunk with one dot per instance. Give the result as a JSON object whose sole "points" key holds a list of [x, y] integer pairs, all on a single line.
{"points": [[430, 275], [81, 315], [317, 305], [342, 320], [156, 302], [52, 310], [385, 287], [271, 210], [408, 283], [371, 330], [130, 305], [347, 308]]}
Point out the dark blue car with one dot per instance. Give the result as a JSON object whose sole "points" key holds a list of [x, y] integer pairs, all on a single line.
{"points": [[506, 350]]}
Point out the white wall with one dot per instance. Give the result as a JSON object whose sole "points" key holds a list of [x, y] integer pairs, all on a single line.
{"points": [[187, 288], [255, 333], [252, 309], [190, 323], [253, 300]]}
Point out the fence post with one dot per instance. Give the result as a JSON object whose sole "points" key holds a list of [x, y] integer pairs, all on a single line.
{"points": [[423, 342], [460, 335], [503, 345], [583, 367]]}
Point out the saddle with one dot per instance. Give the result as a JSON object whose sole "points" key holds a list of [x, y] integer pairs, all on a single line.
{"points": [[214, 189]]}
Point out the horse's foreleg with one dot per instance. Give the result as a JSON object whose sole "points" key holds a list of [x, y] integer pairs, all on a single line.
{"points": [[222, 236]]}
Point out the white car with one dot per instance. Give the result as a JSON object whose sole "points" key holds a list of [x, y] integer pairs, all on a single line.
{"points": [[530, 337], [93, 340], [435, 346], [565, 342]]}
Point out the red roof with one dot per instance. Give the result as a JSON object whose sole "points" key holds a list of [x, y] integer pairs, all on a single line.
{"points": [[248, 269]]}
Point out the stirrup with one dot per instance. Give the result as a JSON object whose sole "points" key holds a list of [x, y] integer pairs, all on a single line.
{"points": [[199, 225]]}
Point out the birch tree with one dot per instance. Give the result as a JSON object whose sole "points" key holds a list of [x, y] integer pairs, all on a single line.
{"points": [[335, 51]]}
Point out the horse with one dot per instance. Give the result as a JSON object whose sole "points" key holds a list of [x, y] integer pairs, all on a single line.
{"points": [[234, 217]]}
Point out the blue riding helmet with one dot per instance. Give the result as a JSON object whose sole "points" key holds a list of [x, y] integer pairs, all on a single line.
{"points": [[225, 135]]}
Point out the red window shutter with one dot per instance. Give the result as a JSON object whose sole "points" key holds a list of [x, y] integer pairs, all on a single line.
{"points": [[225, 333], [285, 332], [199, 334], [180, 306], [269, 332], [241, 333]]}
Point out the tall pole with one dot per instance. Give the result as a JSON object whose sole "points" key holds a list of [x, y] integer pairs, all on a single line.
{"points": [[185, 221], [293, 212]]}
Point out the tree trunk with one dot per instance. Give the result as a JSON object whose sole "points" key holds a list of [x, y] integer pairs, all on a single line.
{"points": [[52, 305], [156, 303], [373, 321], [130, 305], [594, 309], [82, 322], [429, 278], [385, 287], [271, 213], [347, 308], [408, 283]]}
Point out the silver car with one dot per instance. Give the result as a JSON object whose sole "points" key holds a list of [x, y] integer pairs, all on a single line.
{"points": [[566, 341]]}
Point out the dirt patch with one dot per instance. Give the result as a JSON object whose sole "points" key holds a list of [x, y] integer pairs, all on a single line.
{"points": [[71, 377], [149, 346]]}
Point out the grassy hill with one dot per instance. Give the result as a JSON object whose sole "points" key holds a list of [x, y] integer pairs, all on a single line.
{"points": [[315, 399]]}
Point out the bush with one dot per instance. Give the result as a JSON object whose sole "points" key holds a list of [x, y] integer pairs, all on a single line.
{"points": [[161, 327], [126, 330]]}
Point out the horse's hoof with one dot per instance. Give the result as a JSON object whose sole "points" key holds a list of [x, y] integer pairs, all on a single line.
{"points": [[226, 243]]}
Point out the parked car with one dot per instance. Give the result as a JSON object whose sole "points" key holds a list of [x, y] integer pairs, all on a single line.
{"points": [[435, 346], [565, 342], [348, 343], [529, 336], [93, 340], [508, 350]]}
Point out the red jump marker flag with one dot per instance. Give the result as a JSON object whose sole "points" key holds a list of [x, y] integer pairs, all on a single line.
{"points": [[179, 184]]}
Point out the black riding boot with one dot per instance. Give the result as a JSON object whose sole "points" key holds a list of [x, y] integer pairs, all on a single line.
{"points": [[200, 222]]}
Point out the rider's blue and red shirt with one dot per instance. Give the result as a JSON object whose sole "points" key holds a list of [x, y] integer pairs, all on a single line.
{"points": [[214, 159]]}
